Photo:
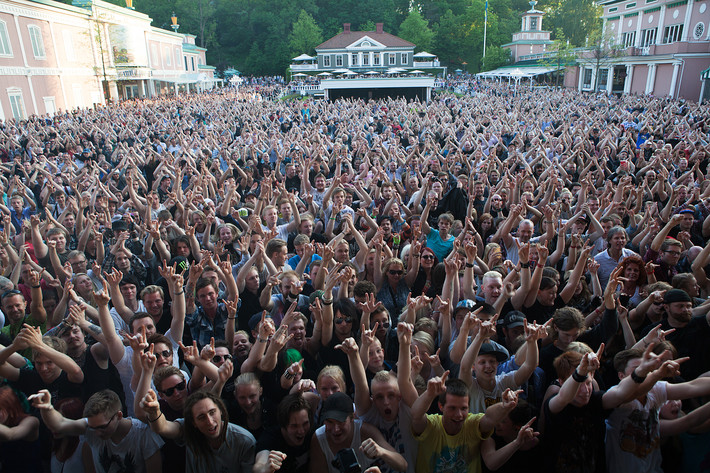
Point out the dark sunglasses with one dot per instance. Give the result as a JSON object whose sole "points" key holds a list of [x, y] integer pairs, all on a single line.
{"points": [[658, 303], [219, 358], [346, 320], [427, 256], [395, 272], [179, 387], [162, 354], [383, 325], [105, 426]]}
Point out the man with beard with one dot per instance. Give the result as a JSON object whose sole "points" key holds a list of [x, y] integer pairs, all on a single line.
{"points": [[287, 446], [690, 336]]}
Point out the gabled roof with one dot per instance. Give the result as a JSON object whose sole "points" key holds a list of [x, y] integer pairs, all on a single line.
{"points": [[344, 40]]}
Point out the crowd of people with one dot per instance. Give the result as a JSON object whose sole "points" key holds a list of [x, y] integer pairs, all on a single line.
{"points": [[227, 282]]}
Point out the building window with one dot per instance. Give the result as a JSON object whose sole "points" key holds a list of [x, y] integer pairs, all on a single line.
{"points": [[17, 104], [404, 59], [168, 56], [603, 77], [628, 39], [648, 37], [339, 60], [353, 59], [68, 45], [186, 68], [193, 64], [672, 33], [699, 30], [37, 42], [613, 9], [630, 5], [5, 49], [365, 59], [393, 59], [326, 61], [376, 59], [587, 79], [533, 23]]}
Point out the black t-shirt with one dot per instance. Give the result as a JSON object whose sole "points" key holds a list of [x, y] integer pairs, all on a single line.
{"points": [[29, 382], [574, 437], [542, 313], [691, 340], [296, 457]]}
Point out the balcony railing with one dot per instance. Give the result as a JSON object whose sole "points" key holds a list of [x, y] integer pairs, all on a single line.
{"points": [[304, 67], [426, 63]]}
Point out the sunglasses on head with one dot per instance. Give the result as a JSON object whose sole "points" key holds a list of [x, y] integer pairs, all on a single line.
{"points": [[219, 358], [179, 387], [11, 292], [395, 272], [345, 320]]}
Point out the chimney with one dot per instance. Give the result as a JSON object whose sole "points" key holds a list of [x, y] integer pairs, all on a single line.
{"points": [[379, 29], [346, 27]]}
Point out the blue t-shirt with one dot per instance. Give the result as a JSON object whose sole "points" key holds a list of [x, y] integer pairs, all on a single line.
{"points": [[440, 247]]}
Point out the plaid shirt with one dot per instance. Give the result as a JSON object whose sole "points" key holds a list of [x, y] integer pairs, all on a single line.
{"points": [[202, 328]]}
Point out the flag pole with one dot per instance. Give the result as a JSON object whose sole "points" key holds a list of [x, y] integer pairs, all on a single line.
{"points": [[485, 30]]}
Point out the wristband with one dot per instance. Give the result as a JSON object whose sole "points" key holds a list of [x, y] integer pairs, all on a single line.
{"points": [[636, 378], [327, 301], [231, 318], [179, 293], [469, 265], [35, 287], [289, 375], [525, 265], [261, 340], [578, 377], [150, 421]]}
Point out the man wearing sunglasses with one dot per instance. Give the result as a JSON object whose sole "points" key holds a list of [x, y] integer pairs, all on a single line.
{"points": [[117, 443]]}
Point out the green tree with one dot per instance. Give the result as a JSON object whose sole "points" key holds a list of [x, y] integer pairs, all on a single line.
{"points": [[562, 56], [416, 29], [575, 19], [601, 53], [305, 36], [495, 58]]}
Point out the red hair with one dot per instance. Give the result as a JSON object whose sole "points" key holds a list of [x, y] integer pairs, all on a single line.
{"points": [[10, 403], [633, 259]]}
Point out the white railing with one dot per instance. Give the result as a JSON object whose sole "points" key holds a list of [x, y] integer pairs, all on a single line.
{"points": [[418, 63], [306, 88], [304, 67]]}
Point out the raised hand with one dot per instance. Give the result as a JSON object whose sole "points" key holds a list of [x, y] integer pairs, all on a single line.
{"points": [[150, 404], [148, 359], [527, 437], [348, 346], [42, 400], [437, 386]]}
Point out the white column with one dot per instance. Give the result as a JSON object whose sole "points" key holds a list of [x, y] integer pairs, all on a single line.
{"points": [[629, 78], [651, 78], [674, 79], [609, 79], [661, 24], [686, 22], [580, 81], [359, 59], [637, 43]]}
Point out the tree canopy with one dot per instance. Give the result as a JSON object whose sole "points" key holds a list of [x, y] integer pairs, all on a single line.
{"points": [[261, 36]]}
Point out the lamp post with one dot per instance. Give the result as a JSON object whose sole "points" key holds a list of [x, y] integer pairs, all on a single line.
{"points": [[174, 24]]}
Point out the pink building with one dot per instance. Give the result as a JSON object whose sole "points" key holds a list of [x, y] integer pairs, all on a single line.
{"points": [[665, 49], [55, 57], [531, 41]]}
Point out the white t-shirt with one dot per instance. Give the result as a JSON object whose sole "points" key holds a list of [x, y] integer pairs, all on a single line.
{"points": [[480, 399], [633, 434], [139, 444], [398, 433]]}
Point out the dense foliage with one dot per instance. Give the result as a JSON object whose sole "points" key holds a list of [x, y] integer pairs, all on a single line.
{"points": [[261, 36]]}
